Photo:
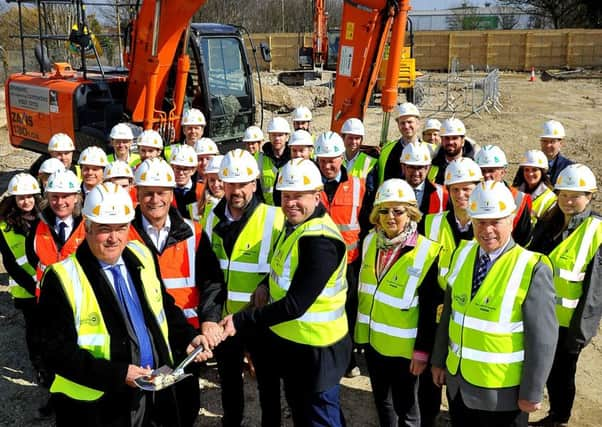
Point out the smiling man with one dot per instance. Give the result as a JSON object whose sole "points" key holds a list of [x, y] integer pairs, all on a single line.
{"points": [[305, 323], [92, 162], [495, 343]]}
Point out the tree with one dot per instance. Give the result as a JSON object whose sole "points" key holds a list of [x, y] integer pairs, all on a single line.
{"points": [[465, 17], [561, 13]]}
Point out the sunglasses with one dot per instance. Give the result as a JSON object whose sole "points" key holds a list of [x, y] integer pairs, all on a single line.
{"points": [[397, 212]]}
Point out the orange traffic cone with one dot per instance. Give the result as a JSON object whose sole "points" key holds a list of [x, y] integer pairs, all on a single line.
{"points": [[532, 77]]}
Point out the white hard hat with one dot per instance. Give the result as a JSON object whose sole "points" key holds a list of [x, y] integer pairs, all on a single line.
{"points": [[453, 127], [491, 156], [23, 184], [238, 166], [407, 109], [576, 177], [205, 147], [395, 190], [462, 170], [184, 155], [278, 125], [416, 154], [64, 181], [299, 175], [193, 117], [108, 203], [329, 144], [214, 164], [155, 172], [93, 156], [118, 169], [536, 159], [490, 200], [552, 129], [353, 127], [432, 124], [301, 137], [51, 165], [121, 131], [252, 134], [302, 114], [61, 142], [150, 138]]}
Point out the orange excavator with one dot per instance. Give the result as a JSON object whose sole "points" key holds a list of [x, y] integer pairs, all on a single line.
{"points": [[168, 63], [365, 29]]}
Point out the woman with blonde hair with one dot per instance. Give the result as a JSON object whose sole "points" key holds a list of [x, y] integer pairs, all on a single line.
{"points": [[398, 299]]}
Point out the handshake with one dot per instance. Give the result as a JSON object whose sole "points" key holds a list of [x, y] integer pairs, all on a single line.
{"points": [[215, 333]]}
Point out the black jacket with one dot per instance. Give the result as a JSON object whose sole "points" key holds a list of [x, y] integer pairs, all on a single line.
{"points": [[557, 165], [63, 355]]}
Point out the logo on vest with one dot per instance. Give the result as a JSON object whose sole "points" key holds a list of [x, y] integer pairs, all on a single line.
{"points": [[93, 319], [461, 299]]}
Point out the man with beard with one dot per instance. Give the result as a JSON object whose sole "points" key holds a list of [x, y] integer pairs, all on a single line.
{"points": [[453, 146]]}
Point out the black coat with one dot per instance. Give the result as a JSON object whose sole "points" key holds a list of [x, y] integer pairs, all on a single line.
{"points": [[121, 405]]}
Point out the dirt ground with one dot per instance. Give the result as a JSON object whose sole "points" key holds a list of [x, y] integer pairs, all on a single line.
{"points": [[526, 106]]}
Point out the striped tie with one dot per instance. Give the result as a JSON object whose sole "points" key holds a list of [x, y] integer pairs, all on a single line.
{"points": [[481, 272]]}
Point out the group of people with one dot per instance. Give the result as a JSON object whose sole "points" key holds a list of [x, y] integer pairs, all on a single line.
{"points": [[296, 256]]}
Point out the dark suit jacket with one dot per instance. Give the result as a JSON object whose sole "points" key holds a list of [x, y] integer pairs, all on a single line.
{"points": [[120, 404], [540, 335]]}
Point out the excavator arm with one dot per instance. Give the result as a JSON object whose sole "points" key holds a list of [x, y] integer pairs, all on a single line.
{"points": [[320, 39], [158, 29], [365, 28]]}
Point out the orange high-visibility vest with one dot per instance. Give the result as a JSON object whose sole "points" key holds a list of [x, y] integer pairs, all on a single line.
{"points": [[438, 199], [522, 201], [48, 252], [345, 210], [177, 267]]}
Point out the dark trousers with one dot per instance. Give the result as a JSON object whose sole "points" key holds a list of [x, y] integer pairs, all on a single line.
{"points": [[429, 398], [313, 409], [394, 389], [463, 416], [561, 382], [229, 355], [351, 303]]}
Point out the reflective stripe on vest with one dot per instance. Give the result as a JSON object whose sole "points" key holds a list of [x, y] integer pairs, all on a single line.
{"points": [[47, 251], [268, 177], [92, 333], [388, 308], [542, 203], [249, 261], [324, 322], [16, 244], [385, 152], [362, 165], [345, 212], [486, 342], [437, 228], [570, 260]]}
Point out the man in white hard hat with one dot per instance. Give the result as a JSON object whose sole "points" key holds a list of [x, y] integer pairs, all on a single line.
{"points": [[431, 133], [187, 191], [356, 161], [305, 322], [60, 147], [150, 144], [348, 203], [493, 163], [243, 232], [495, 343], [275, 154], [102, 329], [47, 168], [408, 122], [121, 139], [193, 125], [302, 118], [205, 149], [552, 140], [253, 138], [92, 162], [454, 145]]}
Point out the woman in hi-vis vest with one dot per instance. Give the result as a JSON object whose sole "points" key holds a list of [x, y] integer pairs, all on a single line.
{"points": [[571, 235], [398, 299]]}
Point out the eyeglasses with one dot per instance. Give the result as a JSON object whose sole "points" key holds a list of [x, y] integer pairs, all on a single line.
{"points": [[397, 212]]}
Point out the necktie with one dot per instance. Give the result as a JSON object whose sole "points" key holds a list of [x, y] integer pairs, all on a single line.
{"points": [[480, 273], [180, 191], [131, 303], [62, 232]]}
